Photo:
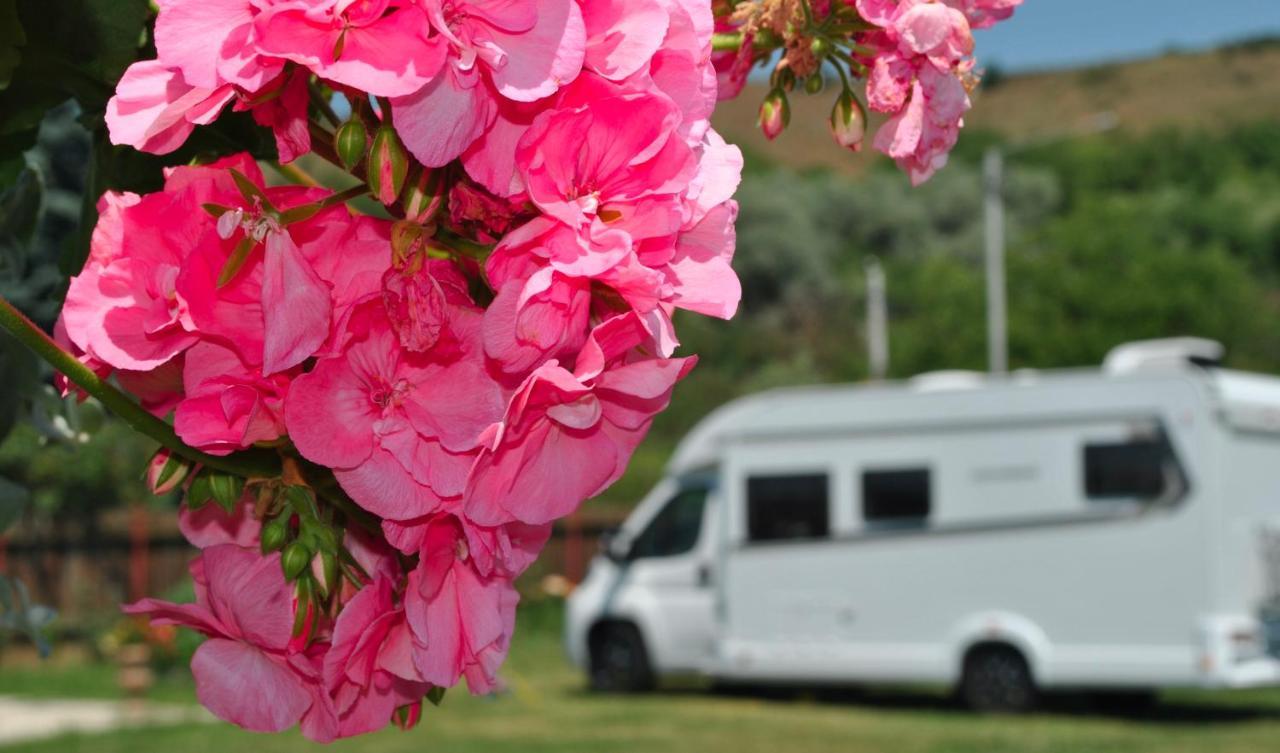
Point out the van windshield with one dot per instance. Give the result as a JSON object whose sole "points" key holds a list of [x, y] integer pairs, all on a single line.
{"points": [[674, 530]]}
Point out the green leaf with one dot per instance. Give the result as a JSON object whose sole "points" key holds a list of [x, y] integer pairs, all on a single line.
{"points": [[14, 498], [12, 38], [436, 695], [200, 492], [236, 261], [249, 190], [226, 489]]}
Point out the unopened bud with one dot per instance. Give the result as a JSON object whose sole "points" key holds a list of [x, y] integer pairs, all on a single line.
{"points": [[388, 165], [407, 716], [167, 471], [775, 114], [350, 142], [274, 534], [296, 558], [848, 121], [424, 195], [814, 83]]}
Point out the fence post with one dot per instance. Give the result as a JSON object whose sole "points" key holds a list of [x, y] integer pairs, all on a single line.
{"points": [[139, 552]]}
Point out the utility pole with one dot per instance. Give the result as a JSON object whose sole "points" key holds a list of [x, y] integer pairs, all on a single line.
{"points": [[993, 236], [877, 321], [993, 230]]}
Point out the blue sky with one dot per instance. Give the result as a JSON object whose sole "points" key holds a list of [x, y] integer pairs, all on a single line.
{"points": [[1068, 33]]}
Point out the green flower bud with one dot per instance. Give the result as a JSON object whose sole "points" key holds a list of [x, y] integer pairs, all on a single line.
{"points": [[274, 534], [350, 142], [295, 560], [388, 165]]}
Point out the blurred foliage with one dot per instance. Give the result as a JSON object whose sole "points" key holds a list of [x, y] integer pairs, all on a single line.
{"points": [[1110, 239]]}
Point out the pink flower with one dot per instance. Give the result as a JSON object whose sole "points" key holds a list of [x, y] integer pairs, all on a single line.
{"points": [[461, 620], [623, 35], [227, 404], [920, 136], [212, 43], [377, 46], [155, 109], [212, 526], [205, 58], [567, 435], [399, 428], [123, 308], [286, 116], [422, 306], [921, 54], [369, 669], [983, 14], [248, 672], [646, 231], [499, 50], [610, 170]]}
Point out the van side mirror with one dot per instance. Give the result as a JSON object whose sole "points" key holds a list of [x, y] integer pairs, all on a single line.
{"points": [[613, 546]]}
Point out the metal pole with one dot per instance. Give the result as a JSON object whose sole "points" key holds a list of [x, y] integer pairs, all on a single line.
{"points": [[993, 235], [877, 320]]}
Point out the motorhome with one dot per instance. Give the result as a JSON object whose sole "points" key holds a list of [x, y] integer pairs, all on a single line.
{"points": [[1114, 528]]}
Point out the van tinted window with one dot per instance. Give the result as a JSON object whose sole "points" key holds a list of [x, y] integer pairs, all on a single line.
{"points": [[897, 497], [787, 507], [674, 530], [1124, 469]]}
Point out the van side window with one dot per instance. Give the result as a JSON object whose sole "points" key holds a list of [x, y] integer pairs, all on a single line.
{"points": [[787, 507], [896, 498], [674, 530], [1124, 469]]}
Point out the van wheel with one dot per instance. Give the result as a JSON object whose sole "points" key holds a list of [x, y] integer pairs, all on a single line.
{"points": [[619, 662], [997, 680]]}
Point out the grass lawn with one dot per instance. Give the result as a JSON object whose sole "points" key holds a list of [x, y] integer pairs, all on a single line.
{"points": [[547, 709]]}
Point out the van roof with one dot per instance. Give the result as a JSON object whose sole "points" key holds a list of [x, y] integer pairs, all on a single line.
{"points": [[1246, 401]]}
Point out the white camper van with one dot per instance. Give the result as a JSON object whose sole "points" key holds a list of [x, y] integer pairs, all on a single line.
{"points": [[1112, 529]]}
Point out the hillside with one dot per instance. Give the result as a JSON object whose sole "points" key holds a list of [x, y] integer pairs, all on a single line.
{"points": [[1211, 90]]}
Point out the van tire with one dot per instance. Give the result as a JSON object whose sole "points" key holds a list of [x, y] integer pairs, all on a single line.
{"points": [[997, 680], [619, 661]]}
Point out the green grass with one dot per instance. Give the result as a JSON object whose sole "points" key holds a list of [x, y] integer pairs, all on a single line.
{"points": [[548, 709]]}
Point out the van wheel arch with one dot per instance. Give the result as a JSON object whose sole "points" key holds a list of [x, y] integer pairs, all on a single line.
{"points": [[618, 658], [996, 677]]}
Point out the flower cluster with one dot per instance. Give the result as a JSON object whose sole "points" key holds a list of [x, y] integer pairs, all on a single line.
{"points": [[915, 55], [440, 381]]}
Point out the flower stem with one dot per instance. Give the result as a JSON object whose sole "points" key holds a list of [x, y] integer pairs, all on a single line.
{"points": [[296, 174], [726, 41], [248, 463]]}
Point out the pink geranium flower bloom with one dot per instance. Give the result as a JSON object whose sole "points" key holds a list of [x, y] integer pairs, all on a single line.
{"points": [[205, 58], [461, 621], [498, 51], [123, 308], [369, 669], [399, 428], [249, 672], [922, 51], [228, 405], [659, 240], [382, 47], [567, 435]]}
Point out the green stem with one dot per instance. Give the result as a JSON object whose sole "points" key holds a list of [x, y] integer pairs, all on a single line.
{"points": [[249, 463], [726, 41], [317, 98], [343, 197]]}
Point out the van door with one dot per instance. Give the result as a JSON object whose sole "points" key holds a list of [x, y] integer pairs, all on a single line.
{"points": [[669, 565]]}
